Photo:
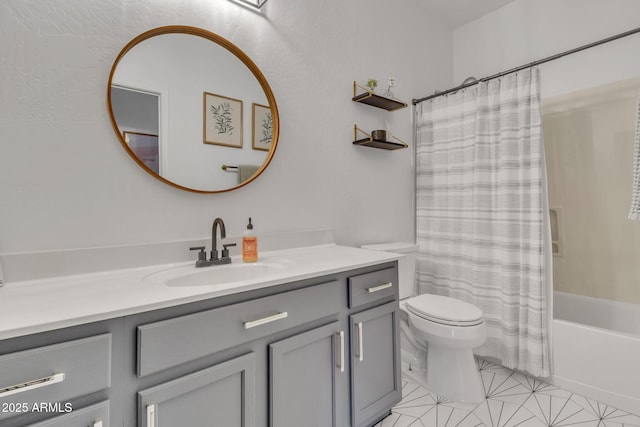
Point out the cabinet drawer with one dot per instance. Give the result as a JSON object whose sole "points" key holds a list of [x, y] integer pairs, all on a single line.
{"points": [[55, 373], [172, 342], [369, 287], [221, 395], [92, 416]]}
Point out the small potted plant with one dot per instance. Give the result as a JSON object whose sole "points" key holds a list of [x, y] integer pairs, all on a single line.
{"points": [[371, 84]]}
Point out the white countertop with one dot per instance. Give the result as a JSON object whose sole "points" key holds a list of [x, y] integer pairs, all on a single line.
{"points": [[33, 306]]}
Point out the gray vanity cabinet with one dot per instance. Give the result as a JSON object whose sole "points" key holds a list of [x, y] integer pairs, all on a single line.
{"points": [[304, 377], [323, 352], [320, 377], [223, 395], [318, 352], [375, 363], [375, 346], [295, 330]]}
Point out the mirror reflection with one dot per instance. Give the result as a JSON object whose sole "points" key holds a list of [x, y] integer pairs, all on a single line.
{"points": [[192, 109]]}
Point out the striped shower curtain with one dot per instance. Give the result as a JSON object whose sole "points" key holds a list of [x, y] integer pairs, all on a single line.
{"points": [[481, 207]]}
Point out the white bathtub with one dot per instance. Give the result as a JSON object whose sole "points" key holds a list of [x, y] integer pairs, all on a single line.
{"points": [[592, 360]]}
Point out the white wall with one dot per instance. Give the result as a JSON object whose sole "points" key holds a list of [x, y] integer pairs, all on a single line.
{"points": [[65, 181], [527, 30]]}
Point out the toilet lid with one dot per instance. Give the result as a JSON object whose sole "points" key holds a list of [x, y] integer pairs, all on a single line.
{"points": [[446, 310]]}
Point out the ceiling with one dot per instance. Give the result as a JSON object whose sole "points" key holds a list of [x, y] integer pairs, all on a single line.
{"points": [[460, 12]]}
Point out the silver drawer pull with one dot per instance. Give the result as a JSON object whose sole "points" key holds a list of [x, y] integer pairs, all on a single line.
{"points": [[31, 385], [151, 415], [380, 287], [264, 320], [360, 343], [341, 361]]}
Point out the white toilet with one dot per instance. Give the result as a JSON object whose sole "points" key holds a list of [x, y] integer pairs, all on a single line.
{"points": [[447, 329]]}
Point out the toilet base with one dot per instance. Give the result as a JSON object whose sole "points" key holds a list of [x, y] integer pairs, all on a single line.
{"points": [[441, 365], [415, 374], [453, 374]]}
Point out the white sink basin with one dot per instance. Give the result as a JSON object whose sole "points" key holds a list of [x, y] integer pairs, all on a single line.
{"points": [[219, 275]]}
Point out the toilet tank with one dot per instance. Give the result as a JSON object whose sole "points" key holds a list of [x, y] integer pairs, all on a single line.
{"points": [[406, 264]]}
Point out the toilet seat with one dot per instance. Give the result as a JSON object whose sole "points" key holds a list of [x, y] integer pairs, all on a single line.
{"points": [[444, 310]]}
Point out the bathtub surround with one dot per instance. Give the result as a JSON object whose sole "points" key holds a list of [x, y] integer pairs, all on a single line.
{"points": [[480, 212], [589, 137], [589, 143], [634, 212]]}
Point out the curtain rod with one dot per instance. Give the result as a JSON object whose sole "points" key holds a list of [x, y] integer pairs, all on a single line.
{"points": [[529, 65]]}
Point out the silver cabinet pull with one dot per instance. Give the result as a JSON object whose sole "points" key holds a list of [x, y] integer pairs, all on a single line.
{"points": [[360, 345], [151, 415], [380, 287], [31, 385], [341, 361], [264, 320]]}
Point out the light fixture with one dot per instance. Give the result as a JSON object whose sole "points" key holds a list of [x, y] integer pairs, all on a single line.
{"points": [[255, 4]]}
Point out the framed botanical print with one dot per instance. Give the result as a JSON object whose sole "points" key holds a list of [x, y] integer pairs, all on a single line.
{"points": [[222, 117], [262, 134]]}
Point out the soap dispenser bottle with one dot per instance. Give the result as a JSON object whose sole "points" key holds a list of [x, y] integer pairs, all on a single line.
{"points": [[249, 244]]}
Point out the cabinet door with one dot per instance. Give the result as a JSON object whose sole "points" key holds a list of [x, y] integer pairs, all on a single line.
{"points": [[92, 416], [304, 370], [222, 395], [375, 363]]}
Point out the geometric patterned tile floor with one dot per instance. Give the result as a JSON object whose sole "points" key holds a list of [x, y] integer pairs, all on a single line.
{"points": [[512, 400]]}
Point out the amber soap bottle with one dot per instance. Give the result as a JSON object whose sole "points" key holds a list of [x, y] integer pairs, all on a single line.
{"points": [[249, 244]]}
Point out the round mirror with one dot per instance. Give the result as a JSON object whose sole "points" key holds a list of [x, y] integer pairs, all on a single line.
{"points": [[192, 109]]}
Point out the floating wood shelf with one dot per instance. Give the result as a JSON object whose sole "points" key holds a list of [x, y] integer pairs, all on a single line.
{"points": [[376, 143], [375, 100]]}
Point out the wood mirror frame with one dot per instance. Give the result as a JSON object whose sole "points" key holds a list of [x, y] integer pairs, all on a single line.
{"points": [[239, 54]]}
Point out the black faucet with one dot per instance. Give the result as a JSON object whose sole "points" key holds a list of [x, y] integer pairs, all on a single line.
{"points": [[214, 260], [218, 222]]}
